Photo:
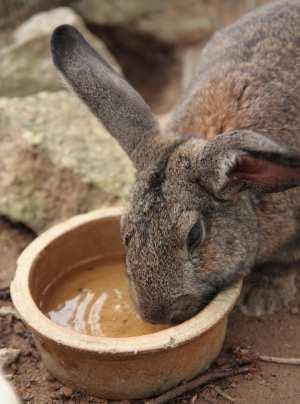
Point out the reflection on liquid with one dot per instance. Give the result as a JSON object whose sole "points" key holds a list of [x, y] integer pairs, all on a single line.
{"points": [[95, 301]]}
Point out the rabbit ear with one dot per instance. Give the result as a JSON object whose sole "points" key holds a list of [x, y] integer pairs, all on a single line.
{"points": [[247, 160], [117, 105]]}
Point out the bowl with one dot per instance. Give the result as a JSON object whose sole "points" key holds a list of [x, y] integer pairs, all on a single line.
{"points": [[111, 368]]}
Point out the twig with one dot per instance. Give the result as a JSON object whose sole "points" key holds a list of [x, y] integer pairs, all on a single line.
{"points": [[243, 355], [223, 394], [273, 359], [199, 381]]}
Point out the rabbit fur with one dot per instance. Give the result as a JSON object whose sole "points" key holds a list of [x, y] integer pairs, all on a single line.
{"points": [[216, 194]]}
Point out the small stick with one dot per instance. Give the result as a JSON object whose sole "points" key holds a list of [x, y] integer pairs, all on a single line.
{"points": [[223, 394], [199, 381], [273, 359], [242, 356]]}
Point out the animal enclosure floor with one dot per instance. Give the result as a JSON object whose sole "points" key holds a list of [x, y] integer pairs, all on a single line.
{"points": [[276, 335]]}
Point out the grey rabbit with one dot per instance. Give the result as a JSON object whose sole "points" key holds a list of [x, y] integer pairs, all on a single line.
{"points": [[216, 194]]}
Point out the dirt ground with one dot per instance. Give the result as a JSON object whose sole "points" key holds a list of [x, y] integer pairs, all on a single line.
{"points": [[277, 335]]}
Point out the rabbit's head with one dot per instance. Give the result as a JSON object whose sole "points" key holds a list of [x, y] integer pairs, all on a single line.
{"points": [[191, 229]]}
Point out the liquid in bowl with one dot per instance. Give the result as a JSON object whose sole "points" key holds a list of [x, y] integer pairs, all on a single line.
{"points": [[94, 300]]}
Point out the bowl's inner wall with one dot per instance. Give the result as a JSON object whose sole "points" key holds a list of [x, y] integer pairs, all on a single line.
{"points": [[85, 244]]}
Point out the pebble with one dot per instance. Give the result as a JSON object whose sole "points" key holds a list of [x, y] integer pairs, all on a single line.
{"points": [[66, 391], [8, 356]]}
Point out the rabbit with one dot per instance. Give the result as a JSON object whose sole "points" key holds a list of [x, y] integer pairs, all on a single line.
{"points": [[215, 196]]}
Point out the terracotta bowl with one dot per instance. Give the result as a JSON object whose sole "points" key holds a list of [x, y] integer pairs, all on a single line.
{"points": [[111, 368]]}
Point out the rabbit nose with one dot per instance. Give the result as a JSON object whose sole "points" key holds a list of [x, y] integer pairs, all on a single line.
{"points": [[183, 308]]}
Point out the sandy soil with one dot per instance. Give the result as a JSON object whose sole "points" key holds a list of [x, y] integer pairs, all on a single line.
{"points": [[276, 335]]}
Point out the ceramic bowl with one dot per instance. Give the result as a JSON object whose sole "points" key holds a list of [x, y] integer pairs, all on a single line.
{"points": [[111, 368]]}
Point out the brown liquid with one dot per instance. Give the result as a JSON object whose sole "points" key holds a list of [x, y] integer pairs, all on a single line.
{"points": [[95, 301]]}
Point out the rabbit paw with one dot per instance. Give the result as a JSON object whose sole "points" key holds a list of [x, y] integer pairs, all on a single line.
{"points": [[271, 295]]}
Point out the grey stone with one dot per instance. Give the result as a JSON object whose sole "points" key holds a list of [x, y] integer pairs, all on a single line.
{"points": [[171, 21], [25, 63], [56, 160]]}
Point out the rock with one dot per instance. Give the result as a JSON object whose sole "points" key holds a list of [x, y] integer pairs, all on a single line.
{"points": [[25, 63], [56, 160], [13, 239], [171, 21], [66, 392], [116, 12], [8, 356], [12, 12]]}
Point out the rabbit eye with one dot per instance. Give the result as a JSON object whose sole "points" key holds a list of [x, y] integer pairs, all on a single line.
{"points": [[195, 236]]}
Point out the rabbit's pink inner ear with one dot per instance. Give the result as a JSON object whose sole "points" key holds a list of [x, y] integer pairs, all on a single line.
{"points": [[263, 174]]}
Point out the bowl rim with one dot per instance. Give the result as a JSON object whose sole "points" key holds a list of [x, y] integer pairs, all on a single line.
{"points": [[165, 339]]}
